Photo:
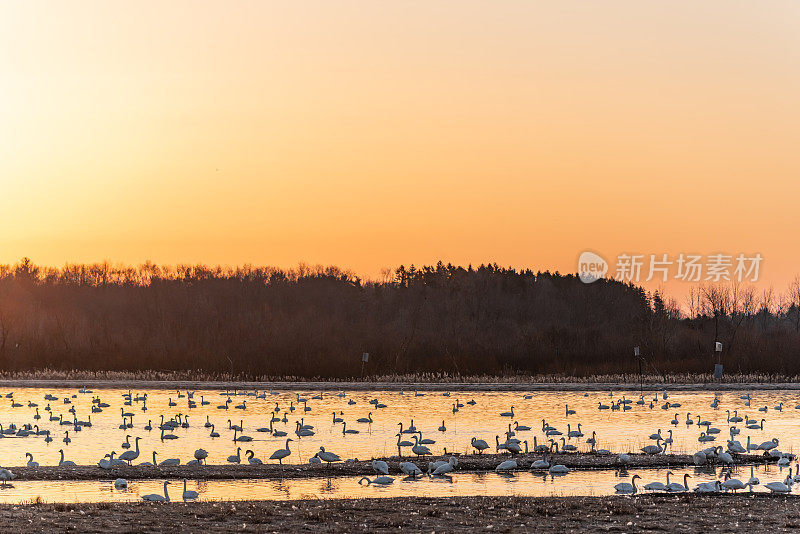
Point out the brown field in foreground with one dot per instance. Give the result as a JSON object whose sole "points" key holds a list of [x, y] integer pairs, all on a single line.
{"points": [[643, 513]]}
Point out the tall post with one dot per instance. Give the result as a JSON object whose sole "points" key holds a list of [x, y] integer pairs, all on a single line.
{"points": [[638, 357], [364, 359], [718, 365]]}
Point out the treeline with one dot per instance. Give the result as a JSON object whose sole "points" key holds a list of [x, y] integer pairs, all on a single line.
{"points": [[317, 321]]}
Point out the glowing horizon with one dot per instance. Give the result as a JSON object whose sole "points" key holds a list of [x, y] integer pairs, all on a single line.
{"points": [[369, 135]]}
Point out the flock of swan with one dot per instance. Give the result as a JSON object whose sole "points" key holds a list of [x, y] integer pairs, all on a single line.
{"points": [[713, 455], [286, 422]]}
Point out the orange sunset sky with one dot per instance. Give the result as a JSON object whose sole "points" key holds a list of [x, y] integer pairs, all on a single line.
{"points": [[369, 134]]}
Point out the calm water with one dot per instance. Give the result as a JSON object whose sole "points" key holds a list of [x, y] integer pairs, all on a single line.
{"points": [[618, 431], [523, 483]]}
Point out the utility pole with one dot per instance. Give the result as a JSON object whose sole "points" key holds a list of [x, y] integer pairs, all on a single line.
{"points": [[639, 357], [364, 359]]}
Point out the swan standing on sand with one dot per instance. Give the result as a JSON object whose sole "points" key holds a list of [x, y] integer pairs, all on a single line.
{"points": [[200, 455], [327, 456], [420, 450], [280, 454], [508, 465], [653, 449], [380, 467], [480, 445], [130, 456], [733, 484]]}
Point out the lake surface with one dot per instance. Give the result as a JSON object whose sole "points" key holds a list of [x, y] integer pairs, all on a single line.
{"points": [[523, 483], [618, 431]]}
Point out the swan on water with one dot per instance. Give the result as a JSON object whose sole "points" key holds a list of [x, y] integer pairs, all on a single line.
{"points": [[678, 487], [381, 480], [627, 487], [156, 497]]}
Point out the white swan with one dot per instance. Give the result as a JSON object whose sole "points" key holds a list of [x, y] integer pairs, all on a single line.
{"points": [[345, 430], [445, 467], [479, 444], [658, 486], [768, 445], [169, 462], [130, 456], [5, 476], [627, 487], [156, 497], [753, 479], [733, 484], [709, 487], [251, 458], [677, 487], [381, 480], [420, 450], [779, 487], [236, 458], [736, 447], [280, 454], [367, 419], [380, 467], [410, 469], [653, 449], [241, 438], [65, 463], [327, 456], [508, 465], [541, 464]]}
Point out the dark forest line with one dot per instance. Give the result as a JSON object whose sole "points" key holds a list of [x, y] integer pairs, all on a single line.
{"points": [[317, 321]]}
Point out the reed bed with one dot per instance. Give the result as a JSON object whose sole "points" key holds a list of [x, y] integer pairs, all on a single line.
{"points": [[632, 380]]}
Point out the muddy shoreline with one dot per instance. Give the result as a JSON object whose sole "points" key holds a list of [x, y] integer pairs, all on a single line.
{"points": [[641, 513], [466, 463]]}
